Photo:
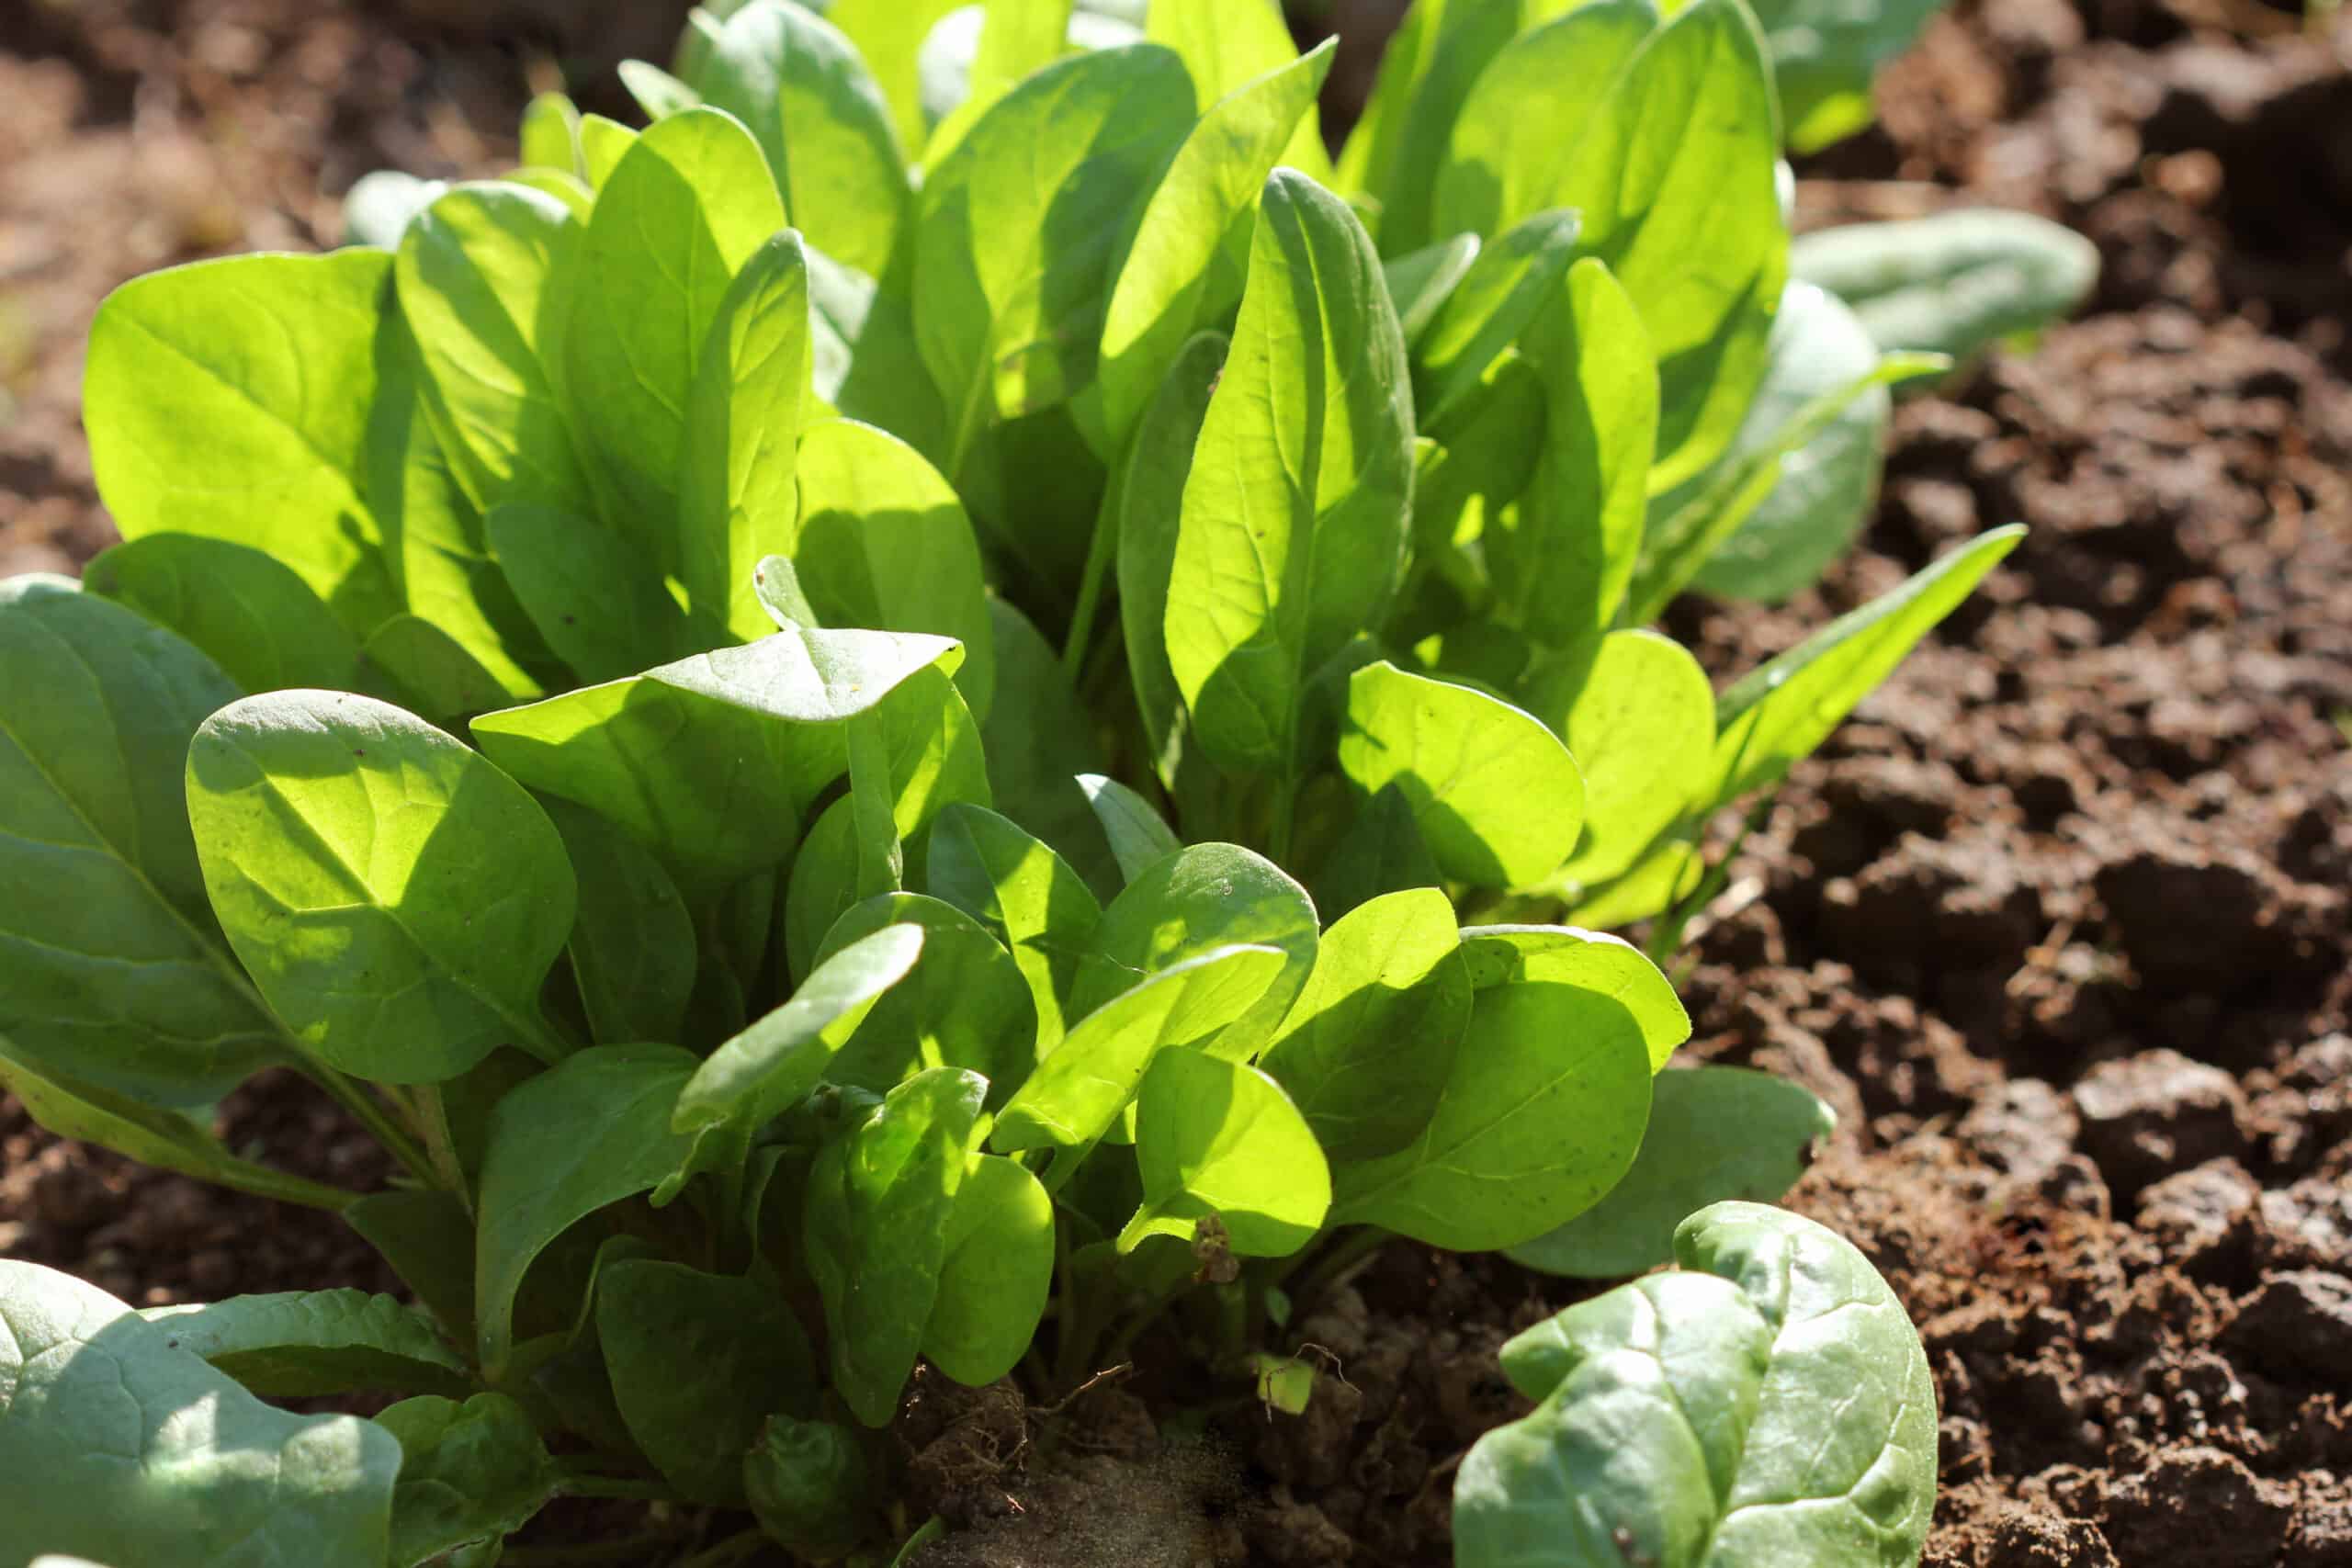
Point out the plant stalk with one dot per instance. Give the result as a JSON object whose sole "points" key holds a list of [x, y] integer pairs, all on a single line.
{"points": [[369, 1112]]}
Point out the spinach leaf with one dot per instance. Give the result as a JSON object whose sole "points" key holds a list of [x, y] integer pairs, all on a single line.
{"points": [[1139, 838], [1016, 227], [1025, 896], [1770, 1403], [1686, 1163], [772, 1066], [1540, 1116], [1781, 710], [1221, 1139], [699, 1362], [996, 1274], [273, 364], [471, 1471], [888, 34], [1167, 280], [1495, 795], [1561, 567], [1424, 87], [250, 615], [869, 506], [115, 972], [880, 1206], [396, 898], [743, 412], [428, 1236], [592, 1132], [682, 211], [1422, 281], [585, 587], [1953, 282], [302, 1343], [218, 1472], [1079, 1092], [1201, 900], [1368, 1045], [1828, 486], [964, 1004], [633, 947], [1511, 282], [799, 83], [1035, 753], [1593, 961], [1228, 45], [1294, 524], [1640, 720]]}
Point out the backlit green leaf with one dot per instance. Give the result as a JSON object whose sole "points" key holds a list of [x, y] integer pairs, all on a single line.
{"points": [[1221, 1138]]}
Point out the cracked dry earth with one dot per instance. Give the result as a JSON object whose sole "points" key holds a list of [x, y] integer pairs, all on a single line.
{"points": [[2060, 922]]}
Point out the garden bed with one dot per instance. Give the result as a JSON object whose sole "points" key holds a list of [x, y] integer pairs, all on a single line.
{"points": [[2059, 922]]}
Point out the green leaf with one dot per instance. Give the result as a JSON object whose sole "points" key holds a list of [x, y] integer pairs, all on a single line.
{"points": [[699, 1362], [1512, 282], [1422, 281], [1495, 794], [1150, 499], [1674, 174], [1826, 486], [476, 276], [881, 1197], [821, 120], [248, 613], [1825, 58], [1562, 566], [1017, 37], [396, 898], [1686, 1162], [1952, 283], [811, 1486], [467, 645], [657, 93], [1706, 514], [1017, 226], [710, 762], [746, 405], [550, 135], [1222, 1139], [869, 506], [1079, 1092], [471, 1471], [1669, 874], [588, 591], [230, 399], [1167, 282], [169, 1140], [1294, 522], [1543, 89], [303, 1344], [1035, 751], [772, 1066], [1025, 896], [1786, 1415], [602, 143], [632, 946], [589, 1132], [112, 970], [996, 1275], [684, 211], [1138, 837], [1592, 961], [1228, 45], [1415, 105], [1368, 1045], [889, 35], [1541, 1115], [381, 204], [1197, 902], [964, 1004], [1779, 711], [1639, 719], [116, 1446], [867, 364]]}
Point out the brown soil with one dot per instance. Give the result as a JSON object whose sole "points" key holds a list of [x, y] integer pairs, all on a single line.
{"points": [[2060, 922]]}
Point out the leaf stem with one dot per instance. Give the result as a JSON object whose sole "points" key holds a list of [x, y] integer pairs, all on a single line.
{"points": [[1340, 1260], [1090, 590], [246, 1176], [735, 1547], [576, 1485], [636, 1549]]}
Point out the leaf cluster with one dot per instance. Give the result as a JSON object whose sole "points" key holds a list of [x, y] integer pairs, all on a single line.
{"points": [[955, 700]]}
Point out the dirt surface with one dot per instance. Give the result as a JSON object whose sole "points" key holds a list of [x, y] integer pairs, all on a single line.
{"points": [[2060, 922]]}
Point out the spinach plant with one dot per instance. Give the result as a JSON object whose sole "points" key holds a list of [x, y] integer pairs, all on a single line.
{"points": [[850, 769]]}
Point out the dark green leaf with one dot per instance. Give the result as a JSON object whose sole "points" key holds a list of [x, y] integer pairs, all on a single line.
{"points": [[965, 1003], [1952, 283], [470, 1473], [249, 614], [1026, 895], [1139, 838], [633, 948], [302, 1343], [588, 591]]}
